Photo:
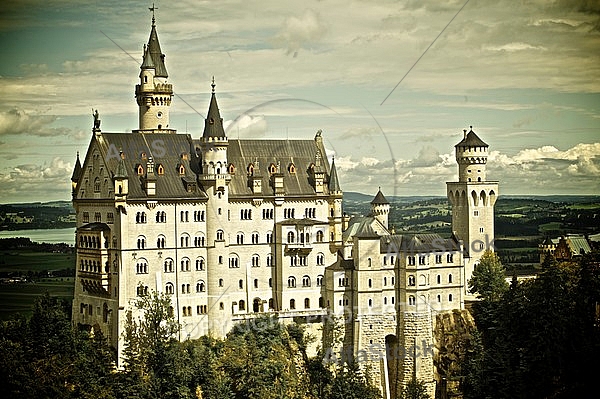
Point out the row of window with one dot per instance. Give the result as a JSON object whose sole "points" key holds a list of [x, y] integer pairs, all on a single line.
{"points": [[90, 241], [160, 169], [110, 217], [161, 216], [304, 238], [423, 260], [91, 266]]}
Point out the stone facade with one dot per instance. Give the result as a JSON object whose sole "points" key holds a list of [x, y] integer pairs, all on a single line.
{"points": [[232, 229]]}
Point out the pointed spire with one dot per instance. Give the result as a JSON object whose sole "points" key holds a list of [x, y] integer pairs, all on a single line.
{"points": [[158, 58], [147, 62], [76, 170], [213, 124], [334, 183]]}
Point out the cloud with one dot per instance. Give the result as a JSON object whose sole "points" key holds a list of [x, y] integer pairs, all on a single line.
{"points": [[301, 31], [49, 181], [16, 121], [515, 46], [246, 126]]}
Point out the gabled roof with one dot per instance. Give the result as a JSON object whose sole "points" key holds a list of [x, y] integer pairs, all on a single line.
{"points": [[364, 227], [262, 153], [428, 242], [158, 58], [471, 140], [165, 149], [147, 62]]}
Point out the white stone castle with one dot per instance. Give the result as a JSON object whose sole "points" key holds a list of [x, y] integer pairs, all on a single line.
{"points": [[232, 229]]}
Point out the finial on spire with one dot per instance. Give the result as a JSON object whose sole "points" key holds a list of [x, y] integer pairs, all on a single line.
{"points": [[213, 84], [152, 9]]}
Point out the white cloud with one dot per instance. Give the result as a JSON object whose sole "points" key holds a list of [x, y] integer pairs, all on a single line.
{"points": [[301, 31]]}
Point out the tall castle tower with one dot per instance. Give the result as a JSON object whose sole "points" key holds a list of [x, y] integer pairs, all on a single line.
{"points": [[473, 199], [215, 178], [153, 93]]}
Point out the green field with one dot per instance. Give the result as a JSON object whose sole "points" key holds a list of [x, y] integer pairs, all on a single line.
{"points": [[26, 260], [18, 298]]}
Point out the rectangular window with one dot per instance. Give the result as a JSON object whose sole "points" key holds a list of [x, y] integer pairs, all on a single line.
{"points": [[438, 259], [97, 217], [86, 217], [110, 217]]}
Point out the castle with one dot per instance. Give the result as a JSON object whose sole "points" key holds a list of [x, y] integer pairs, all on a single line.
{"points": [[234, 228]]}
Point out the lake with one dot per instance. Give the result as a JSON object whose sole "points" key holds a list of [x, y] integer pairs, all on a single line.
{"points": [[52, 236]]}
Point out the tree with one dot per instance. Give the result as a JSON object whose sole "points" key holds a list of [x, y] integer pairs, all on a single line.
{"points": [[350, 382], [153, 359], [488, 279], [415, 389]]}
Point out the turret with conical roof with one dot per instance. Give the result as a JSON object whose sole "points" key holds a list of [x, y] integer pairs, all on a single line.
{"points": [[213, 124], [334, 183], [471, 155], [76, 173], [380, 208], [153, 93]]}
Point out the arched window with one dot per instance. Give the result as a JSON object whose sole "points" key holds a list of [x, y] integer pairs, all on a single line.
{"points": [[97, 185], [240, 238], [185, 240], [241, 305], [411, 300], [169, 265], [181, 169], [200, 286], [141, 242], [250, 169], [200, 264], [291, 282], [140, 170], [219, 235], [272, 168], [255, 260], [320, 259], [306, 281], [439, 279], [160, 169], [160, 241], [169, 288], [231, 169], [449, 297], [411, 281], [241, 284], [220, 282], [450, 278], [306, 303], [370, 283], [290, 237], [185, 264], [234, 261], [269, 260], [292, 304], [319, 280], [320, 236], [370, 302]]}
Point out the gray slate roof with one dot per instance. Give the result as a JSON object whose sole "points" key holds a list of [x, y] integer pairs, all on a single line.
{"points": [[428, 242], [471, 140], [158, 58]]}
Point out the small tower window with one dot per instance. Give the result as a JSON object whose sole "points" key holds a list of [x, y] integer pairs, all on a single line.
{"points": [[160, 169], [231, 169], [140, 170], [145, 79], [292, 168], [250, 170], [181, 169], [272, 168]]}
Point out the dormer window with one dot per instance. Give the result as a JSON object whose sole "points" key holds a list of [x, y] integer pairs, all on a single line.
{"points": [[250, 170], [160, 169], [272, 168], [181, 169], [211, 121], [231, 169], [292, 168], [143, 156], [140, 170]]}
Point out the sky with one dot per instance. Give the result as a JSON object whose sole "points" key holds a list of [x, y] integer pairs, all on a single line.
{"points": [[392, 85]]}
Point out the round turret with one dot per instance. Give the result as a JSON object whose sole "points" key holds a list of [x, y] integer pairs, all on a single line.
{"points": [[471, 156]]}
